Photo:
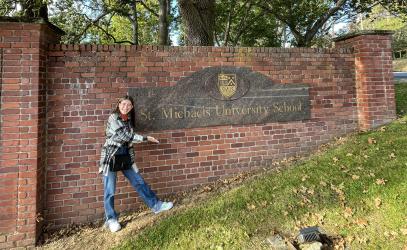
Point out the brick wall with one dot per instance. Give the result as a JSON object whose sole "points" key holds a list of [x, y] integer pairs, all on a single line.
{"points": [[55, 103], [85, 80], [23, 131], [374, 76]]}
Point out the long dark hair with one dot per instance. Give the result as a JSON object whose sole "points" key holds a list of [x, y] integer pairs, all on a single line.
{"points": [[132, 113]]}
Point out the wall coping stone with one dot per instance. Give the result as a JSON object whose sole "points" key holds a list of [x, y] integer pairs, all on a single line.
{"points": [[361, 33], [40, 20]]}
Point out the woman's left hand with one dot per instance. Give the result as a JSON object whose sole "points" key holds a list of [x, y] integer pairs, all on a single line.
{"points": [[152, 139]]}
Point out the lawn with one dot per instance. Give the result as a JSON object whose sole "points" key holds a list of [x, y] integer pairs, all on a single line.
{"points": [[355, 189], [401, 98]]}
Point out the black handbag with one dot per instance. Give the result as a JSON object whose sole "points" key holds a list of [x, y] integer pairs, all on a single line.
{"points": [[120, 162]]}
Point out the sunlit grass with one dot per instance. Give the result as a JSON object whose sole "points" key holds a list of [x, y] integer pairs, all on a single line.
{"points": [[355, 190]]}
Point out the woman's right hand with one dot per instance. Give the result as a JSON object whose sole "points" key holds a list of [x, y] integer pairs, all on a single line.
{"points": [[152, 139]]}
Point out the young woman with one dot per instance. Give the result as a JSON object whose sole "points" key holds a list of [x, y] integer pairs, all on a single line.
{"points": [[120, 137]]}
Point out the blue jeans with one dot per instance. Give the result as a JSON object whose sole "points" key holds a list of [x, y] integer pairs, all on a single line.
{"points": [[148, 196]]}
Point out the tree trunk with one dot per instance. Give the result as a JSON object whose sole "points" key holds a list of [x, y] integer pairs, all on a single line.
{"points": [[134, 22], [163, 22], [198, 17]]}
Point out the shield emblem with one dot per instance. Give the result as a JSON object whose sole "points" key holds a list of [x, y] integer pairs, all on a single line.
{"points": [[227, 85]]}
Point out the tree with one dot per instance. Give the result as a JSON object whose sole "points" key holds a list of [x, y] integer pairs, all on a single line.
{"points": [[164, 12], [7, 7], [380, 18], [305, 19], [113, 21], [30, 9], [198, 18], [243, 23]]}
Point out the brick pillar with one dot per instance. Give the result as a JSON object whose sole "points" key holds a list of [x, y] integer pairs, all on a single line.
{"points": [[373, 76], [23, 54]]}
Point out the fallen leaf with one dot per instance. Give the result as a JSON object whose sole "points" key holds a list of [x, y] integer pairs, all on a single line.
{"points": [[371, 140], [335, 159], [361, 222], [382, 129], [306, 200], [310, 191], [349, 154], [378, 202], [339, 191], [372, 174], [391, 235], [365, 156], [349, 239], [251, 206], [362, 240], [392, 155], [380, 181], [303, 189], [319, 217], [344, 169], [355, 177], [348, 212], [305, 177], [323, 183]]}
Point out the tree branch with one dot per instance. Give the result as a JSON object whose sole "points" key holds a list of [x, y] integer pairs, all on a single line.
{"points": [[148, 8], [111, 36], [323, 19], [90, 24]]}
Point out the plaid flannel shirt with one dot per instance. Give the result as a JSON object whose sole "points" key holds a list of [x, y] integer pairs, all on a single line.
{"points": [[118, 132]]}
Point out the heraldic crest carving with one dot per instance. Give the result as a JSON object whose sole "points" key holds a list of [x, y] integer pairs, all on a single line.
{"points": [[227, 84]]}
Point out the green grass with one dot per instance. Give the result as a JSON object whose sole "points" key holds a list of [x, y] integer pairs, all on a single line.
{"points": [[401, 98], [355, 190]]}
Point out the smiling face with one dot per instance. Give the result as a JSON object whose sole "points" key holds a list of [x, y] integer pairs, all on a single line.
{"points": [[125, 106]]}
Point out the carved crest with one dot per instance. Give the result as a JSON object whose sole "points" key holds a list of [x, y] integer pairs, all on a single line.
{"points": [[227, 84]]}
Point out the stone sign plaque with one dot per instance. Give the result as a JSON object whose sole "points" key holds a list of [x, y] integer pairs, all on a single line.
{"points": [[219, 96]]}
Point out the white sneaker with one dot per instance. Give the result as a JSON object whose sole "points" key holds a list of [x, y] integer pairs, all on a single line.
{"points": [[164, 207], [113, 225]]}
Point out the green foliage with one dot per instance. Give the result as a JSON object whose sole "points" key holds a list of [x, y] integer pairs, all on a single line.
{"points": [[28, 9], [397, 7], [106, 21], [382, 19], [306, 19], [7, 7], [242, 23], [69, 16]]}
